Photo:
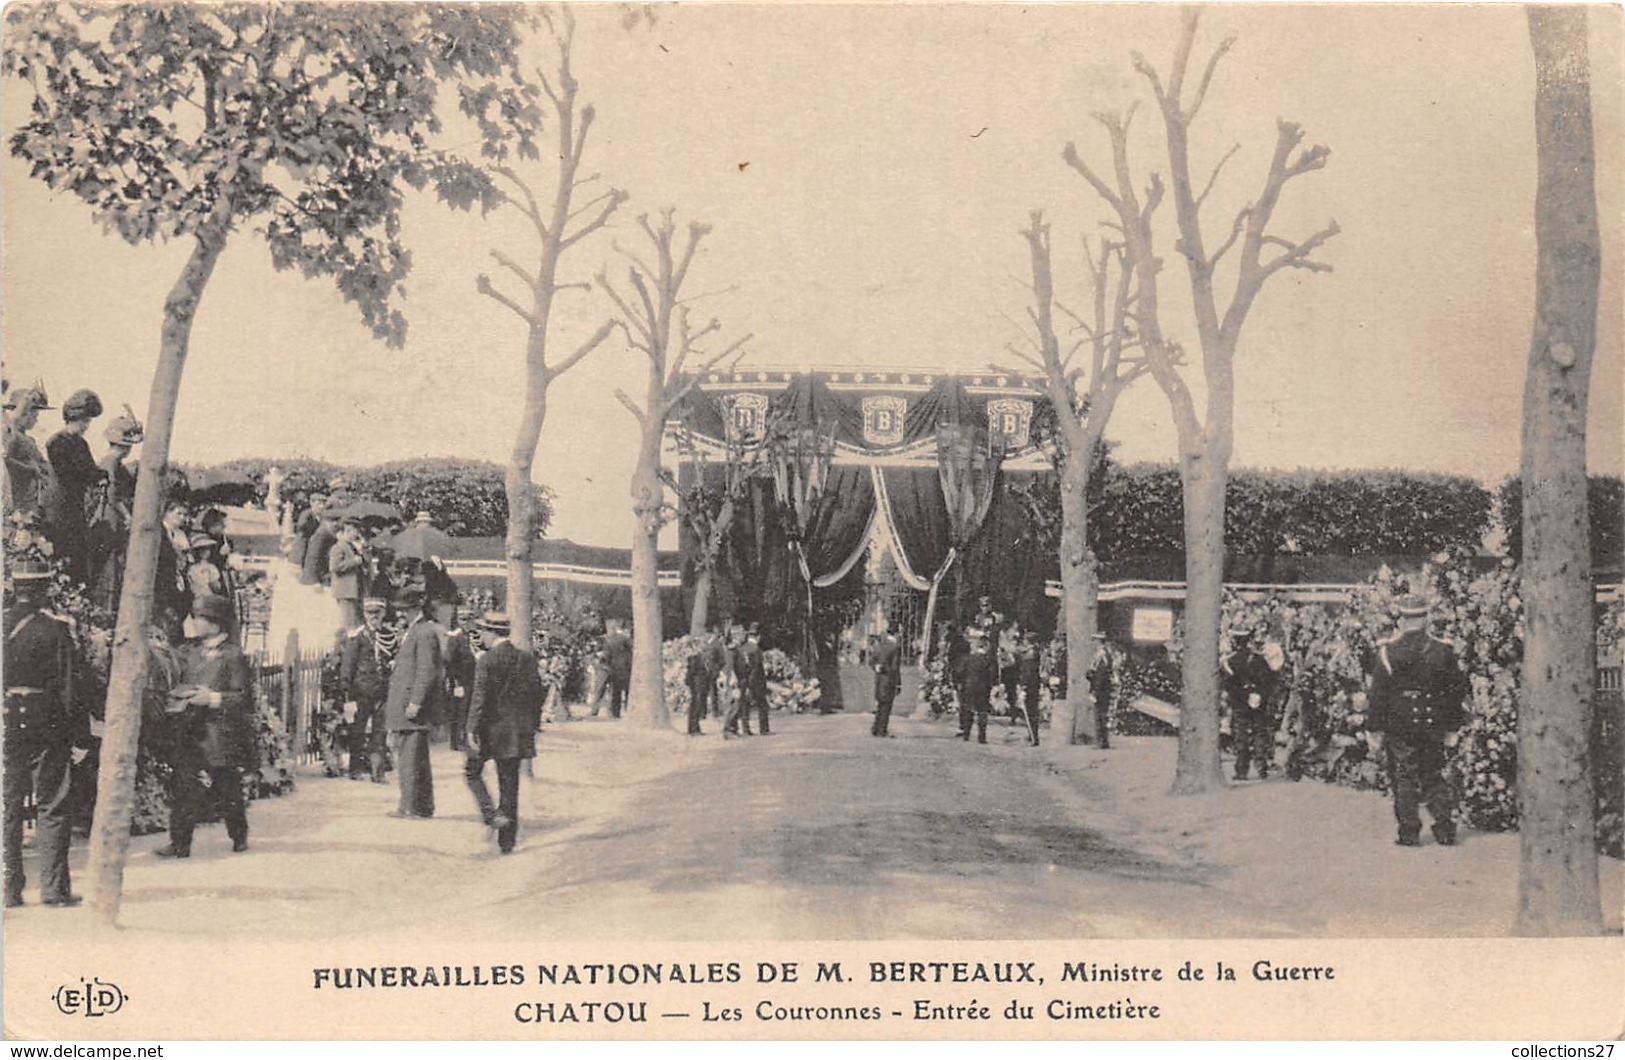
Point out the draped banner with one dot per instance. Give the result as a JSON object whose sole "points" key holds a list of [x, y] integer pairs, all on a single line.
{"points": [[919, 462]]}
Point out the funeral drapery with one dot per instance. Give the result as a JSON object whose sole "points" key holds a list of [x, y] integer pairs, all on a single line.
{"points": [[920, 462]]}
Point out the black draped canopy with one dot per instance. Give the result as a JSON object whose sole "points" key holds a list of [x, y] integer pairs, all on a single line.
{"points": [[922, 462]]}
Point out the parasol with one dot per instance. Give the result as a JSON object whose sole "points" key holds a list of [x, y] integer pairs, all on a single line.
{"points": [[420, 540], [367, 511]]}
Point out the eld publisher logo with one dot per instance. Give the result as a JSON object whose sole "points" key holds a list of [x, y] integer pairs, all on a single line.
{"points": [[91, 997]]}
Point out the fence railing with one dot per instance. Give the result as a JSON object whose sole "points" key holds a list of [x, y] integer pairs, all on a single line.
{"points": [[291, 681]]}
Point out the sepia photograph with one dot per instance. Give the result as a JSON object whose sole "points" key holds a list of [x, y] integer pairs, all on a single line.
{"points": [[813, 520]]}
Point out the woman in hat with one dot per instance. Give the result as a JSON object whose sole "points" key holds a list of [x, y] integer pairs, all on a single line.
{"points": [[75, 478]]}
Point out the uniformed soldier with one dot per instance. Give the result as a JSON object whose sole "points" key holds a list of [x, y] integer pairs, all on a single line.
{"points": [[364, 682], [46, 732], [887, 658], [1415, 708], [1250, 684]]}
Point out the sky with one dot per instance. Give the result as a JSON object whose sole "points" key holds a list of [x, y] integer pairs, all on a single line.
{"points": [[867, 170]]}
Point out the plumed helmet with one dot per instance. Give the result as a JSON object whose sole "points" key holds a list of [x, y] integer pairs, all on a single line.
{"points": [[82, 405], [29, 397]]}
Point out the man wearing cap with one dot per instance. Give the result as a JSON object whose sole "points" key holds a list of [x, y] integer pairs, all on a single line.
{"points": [[413, 706], [1414, 708], [363, 682], [74, 478], [213, 710], [46, 732], [28, 473], [502, 720], [1250, 684]]}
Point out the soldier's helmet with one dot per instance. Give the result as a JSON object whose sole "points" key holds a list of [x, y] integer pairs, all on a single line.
{"points": [[1412, 606]]}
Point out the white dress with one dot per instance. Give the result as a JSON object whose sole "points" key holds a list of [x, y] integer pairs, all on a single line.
{"points": [[310, 609]]}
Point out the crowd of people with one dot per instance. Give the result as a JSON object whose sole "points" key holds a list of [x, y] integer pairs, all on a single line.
{"points": [[417, 659]]}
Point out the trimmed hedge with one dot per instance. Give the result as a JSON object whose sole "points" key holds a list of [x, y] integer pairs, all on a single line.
{"points": [[465, 498], [1141, 510]]}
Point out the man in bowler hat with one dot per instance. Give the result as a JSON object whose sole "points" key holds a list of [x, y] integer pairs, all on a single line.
{"points": [[416, 685], [46, 732], [1414, 708], [503, 716], [213, 705]]}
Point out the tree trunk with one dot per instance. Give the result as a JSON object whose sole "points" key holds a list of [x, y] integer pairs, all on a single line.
{"points": [[1557, 868], [1074, 719], [647, 696], [121, 734], [521, 541], [1198, 769], [699, 611]]}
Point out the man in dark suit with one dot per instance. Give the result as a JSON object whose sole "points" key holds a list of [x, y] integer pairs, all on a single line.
{"points": [[46, 732], [981, 666], [617, 657], [460, 671], [738, 720], [416, 685], [699, 680], [502, 720], [1415, 708], [887, 658], [716, 663], [213, 709], [1103, 687], [364, 682], [319, 551]]}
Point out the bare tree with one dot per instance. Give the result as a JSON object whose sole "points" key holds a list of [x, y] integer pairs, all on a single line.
{"points": [[1557, 867], [709, 510], [558, 225], [1205, 437], [1083, 394], [657, 323]]}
